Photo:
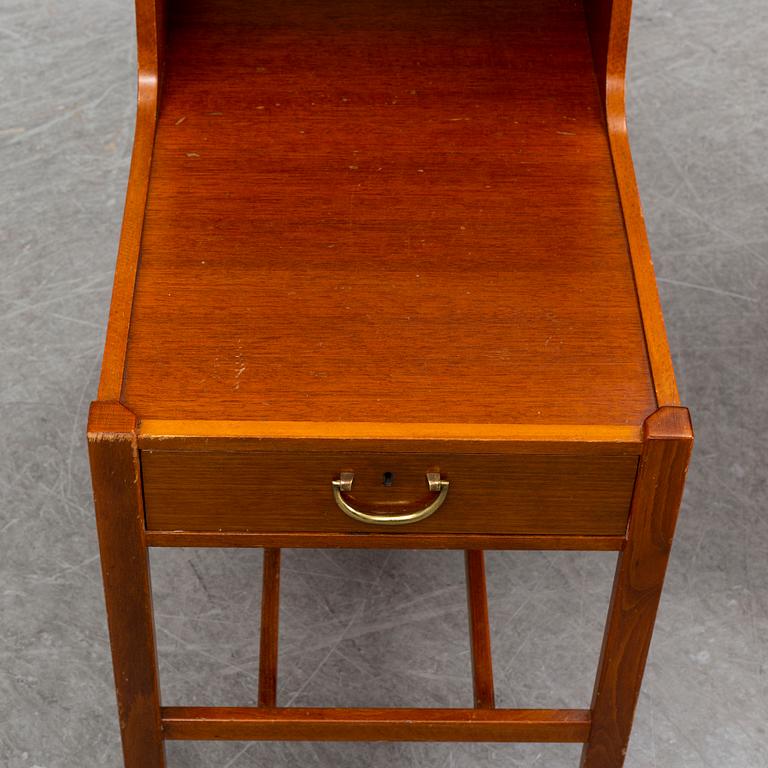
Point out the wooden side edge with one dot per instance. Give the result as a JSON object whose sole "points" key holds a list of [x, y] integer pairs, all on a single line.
{"points": [[598, 13], [608, 22], [326, 724], [150, 33], [150, 27], [382, 436]]}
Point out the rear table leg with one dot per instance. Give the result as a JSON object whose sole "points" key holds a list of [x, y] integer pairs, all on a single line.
{"points": [[479, 629], [270, 626]]}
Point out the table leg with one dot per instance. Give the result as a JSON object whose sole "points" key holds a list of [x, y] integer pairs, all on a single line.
{"points": [[270, 628], [127, 591], [637, 585]]}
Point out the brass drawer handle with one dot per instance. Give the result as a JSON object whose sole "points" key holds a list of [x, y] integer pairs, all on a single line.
{"points": [[371, 513]]}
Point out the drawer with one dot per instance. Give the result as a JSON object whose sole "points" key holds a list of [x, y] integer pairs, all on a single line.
{"points": [[293, 492]]}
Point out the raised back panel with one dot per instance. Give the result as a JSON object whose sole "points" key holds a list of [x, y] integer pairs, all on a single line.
{"points": [[608, 22]]}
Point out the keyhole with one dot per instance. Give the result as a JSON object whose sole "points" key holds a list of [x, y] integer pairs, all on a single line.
{"points": [[388, 479]]}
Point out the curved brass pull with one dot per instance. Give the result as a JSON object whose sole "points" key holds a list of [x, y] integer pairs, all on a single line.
{"points": [[370, 513]]}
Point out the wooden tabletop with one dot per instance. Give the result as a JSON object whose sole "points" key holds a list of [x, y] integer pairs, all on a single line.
{"points": [[376, 212]]}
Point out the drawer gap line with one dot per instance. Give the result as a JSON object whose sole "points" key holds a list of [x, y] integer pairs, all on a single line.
{"points": [[227, 539]]}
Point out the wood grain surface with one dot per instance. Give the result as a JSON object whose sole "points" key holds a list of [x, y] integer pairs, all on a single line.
{"points": [[608, 22], [269, 630], [377, 540], [479, 630], [272, 492], [384, 212], [151, 35], [391, 724], [637, 586], [385, 236], [390, 437], [127, 589]]}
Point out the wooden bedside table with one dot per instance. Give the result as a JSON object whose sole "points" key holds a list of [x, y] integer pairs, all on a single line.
{"points": [[384, 282]]}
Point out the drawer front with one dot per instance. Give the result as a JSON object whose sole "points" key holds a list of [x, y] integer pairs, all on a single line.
{"points": [[292, 492]]}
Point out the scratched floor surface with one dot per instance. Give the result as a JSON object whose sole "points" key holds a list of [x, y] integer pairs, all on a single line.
{"points": [[377, 627]]}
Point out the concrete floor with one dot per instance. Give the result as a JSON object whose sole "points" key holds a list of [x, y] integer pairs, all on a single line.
{"points": [[376, 627]]}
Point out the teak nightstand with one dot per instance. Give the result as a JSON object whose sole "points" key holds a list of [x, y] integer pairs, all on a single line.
{"points": [[383, 281]]}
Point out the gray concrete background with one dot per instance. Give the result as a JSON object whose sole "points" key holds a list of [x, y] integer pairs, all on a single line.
{"points": [[377, 627]]}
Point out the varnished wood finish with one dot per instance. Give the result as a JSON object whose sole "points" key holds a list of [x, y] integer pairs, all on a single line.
{"points": [[271, 492], [384, 212], [582, 439], [316, 724], [151, 29], [367, 540], [384, 235], [270, 621], [637, 586], [608, 22], [151, 23], [599, 14], [479, 630], [127, 591]]}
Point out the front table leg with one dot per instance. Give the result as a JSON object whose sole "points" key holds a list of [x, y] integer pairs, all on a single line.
{"points": [[637, 585], [127, 590]]}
